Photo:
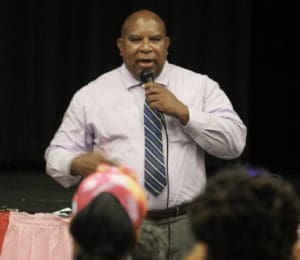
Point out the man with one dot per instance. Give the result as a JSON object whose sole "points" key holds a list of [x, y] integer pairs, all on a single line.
{"points": [[241, 215], [106, 119]]}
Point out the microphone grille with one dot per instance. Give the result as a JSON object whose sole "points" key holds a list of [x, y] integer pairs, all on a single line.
{"points": [[146, 76]]}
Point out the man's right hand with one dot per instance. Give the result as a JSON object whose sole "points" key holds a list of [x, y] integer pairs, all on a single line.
{"points": [[86, 164]]}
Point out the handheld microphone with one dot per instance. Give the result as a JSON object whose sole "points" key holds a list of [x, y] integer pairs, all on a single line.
{"points": [[146, 76]]}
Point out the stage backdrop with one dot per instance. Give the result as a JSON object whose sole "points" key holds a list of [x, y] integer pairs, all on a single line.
{"points": [[51, 48]]}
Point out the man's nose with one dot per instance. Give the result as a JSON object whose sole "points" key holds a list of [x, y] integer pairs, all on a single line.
{"points": [[146, 47]]}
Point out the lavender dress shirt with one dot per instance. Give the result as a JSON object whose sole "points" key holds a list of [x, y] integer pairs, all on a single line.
{"points": [[107, 116]]}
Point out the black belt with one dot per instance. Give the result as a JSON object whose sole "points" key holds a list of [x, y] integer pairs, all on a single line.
{"points": [[172, 212]]}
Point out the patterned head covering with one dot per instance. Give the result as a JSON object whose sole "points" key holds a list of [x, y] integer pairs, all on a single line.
{"points": [[119, 181]]}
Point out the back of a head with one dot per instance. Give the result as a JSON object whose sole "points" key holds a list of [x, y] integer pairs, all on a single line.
{"points": [[102, 230], [108, 208], [243, 217], [151, 243]]}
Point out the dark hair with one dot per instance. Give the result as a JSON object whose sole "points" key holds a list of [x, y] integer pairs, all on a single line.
{"points": [[102, 229], [244, 217], [151, 243]]}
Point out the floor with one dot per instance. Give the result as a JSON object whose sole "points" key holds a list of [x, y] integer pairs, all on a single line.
{"points": [[37, 192]]}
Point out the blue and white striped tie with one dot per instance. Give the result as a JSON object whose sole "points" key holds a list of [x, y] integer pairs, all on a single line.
{"points": [[155, 175]]}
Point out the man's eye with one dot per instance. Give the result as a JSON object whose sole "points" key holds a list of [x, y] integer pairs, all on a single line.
{"points": [[156, 39], [134, 39]]}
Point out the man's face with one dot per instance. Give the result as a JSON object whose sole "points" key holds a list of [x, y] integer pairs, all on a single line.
{"points": [[143, 45]]}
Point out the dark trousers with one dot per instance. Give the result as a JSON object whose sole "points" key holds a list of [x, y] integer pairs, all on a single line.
{"points": [[178, 235]]}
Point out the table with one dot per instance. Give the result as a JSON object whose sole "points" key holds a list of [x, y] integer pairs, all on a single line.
{"points": [[34, 236]]}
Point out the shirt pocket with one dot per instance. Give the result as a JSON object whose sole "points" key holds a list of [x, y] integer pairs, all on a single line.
{"points": [[176, 133], [115, 123]]}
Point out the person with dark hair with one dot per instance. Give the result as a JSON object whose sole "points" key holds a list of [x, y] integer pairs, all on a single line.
{"points": [[102, 229], [156, 117], [151, 243], [108, 208], [239, 216]]}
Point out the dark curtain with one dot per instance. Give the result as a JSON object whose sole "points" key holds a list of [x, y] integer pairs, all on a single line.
{"points": [[49, 49], [274, 99]]}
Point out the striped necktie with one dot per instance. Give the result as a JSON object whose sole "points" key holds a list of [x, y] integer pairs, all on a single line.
{"points": [[155, 175]]}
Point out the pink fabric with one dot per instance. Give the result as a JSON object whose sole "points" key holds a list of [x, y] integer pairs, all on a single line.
{"points": [[119, 181], [40, 236]]}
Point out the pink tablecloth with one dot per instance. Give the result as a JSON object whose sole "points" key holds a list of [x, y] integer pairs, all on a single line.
{"points": [[40, 236]]}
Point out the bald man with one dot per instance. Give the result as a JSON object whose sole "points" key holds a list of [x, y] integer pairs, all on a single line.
{"points": [[105, 120]]}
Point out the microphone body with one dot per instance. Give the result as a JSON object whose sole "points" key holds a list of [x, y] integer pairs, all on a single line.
{"points": [[146, 76]]}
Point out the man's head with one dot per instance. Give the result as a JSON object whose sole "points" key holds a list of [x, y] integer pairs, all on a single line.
{"points": [[143, 43], [239, 216]]}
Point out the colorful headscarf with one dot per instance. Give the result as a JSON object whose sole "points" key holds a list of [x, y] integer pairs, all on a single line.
{"points": [[119, 181]]}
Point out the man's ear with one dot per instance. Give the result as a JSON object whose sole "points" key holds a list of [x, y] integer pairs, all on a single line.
{"points": [[167, 41], [119, 43], [296, 251], [198, 252]]}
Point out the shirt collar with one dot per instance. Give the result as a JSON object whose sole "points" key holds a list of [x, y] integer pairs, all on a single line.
{"points": [[130, 81]]}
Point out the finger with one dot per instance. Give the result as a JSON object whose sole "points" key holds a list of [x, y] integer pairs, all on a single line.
{"points": [[153, 97], [148, 85], [153, 104], [152, 90]]}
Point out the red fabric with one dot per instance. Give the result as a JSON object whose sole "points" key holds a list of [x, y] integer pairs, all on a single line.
{"points": [[4, 219]]}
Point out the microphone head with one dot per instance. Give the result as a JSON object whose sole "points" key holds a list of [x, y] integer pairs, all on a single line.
{"points": [[146, 76]]}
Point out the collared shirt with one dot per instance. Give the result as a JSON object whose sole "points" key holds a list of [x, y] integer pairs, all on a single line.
{"points": [[107, 116]]}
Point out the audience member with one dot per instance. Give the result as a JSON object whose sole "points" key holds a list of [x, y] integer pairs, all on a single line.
{"points": [[151, 243], [108, 209], [239, 216]]}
